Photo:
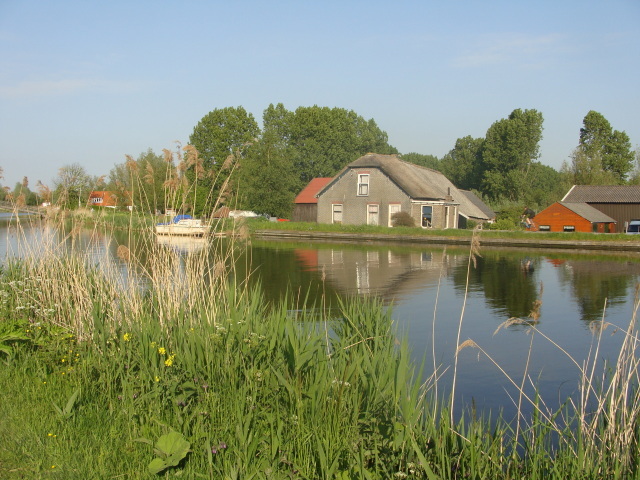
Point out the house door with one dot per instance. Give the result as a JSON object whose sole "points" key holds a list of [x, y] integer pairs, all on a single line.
{"points": [[393, 208], [427, 213], [372, 215]]}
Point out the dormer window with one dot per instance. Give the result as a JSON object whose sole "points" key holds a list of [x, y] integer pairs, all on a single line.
{"points": [[363, 184]]}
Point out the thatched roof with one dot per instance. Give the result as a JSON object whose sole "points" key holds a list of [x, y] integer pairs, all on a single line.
{"points": [[419, 183]]}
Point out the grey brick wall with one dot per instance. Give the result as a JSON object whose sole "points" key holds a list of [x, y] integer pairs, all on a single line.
{"points": [[382, 191]]}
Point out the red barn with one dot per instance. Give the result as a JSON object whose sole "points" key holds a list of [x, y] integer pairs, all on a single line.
{"points": [[573, 217], [306, 203]]}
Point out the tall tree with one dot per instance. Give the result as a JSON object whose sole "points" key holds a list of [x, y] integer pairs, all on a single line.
{"points": [[326, 139], [221, 139], [72, 186], [463, 164], [586, 169], [510, 146], [611, 148]]}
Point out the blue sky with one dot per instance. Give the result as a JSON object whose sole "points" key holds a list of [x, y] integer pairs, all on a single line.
{"points": [[90, 82]]}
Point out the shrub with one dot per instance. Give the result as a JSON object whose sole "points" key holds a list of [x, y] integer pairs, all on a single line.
{"points": [[402, 219]]}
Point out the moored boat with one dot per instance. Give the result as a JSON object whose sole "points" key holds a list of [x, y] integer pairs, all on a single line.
{"points": [[182, 225]]}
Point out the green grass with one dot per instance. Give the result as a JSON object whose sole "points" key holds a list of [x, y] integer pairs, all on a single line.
{"points": [[258, 224], [196, 376]]}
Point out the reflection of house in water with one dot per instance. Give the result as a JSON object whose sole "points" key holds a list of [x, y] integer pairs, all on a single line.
{"points": [[378, 272]]}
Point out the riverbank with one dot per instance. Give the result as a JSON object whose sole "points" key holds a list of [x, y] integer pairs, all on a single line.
{"points": [[535, 240]]}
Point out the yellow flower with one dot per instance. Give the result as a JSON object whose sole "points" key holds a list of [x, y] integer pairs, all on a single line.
{"points": [[126, 337], [157, 378], [162, 351], [169, 361]]}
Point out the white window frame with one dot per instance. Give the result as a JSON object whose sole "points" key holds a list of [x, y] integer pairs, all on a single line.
{"points": [[373, 208], [333, 212], [392, 207], [363, 185]]}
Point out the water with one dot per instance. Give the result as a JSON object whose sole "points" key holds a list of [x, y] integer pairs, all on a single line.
{"points": [[433, 291]]}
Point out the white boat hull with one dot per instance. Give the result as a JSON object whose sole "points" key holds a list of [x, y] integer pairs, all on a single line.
{"points": [[191, 227]]}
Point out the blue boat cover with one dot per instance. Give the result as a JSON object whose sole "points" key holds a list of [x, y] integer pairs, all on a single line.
{"points": [[177, 218]]}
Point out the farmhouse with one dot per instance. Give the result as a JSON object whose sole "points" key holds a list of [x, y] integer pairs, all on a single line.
{"points": [[620, 202], [374, 187], [573, 217]]}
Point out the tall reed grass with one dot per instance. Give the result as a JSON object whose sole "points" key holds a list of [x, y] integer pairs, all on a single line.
{"points": [[114, 359]]}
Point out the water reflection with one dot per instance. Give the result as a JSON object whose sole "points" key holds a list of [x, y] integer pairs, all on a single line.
{"points": [[594, 282]]}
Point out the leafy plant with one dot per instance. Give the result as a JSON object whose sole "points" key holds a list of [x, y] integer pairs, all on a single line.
{"points": [[170, 449], [402, 219], [9, 334], [67, 411]]}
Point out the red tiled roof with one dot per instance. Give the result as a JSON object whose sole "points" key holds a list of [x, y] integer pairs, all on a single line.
{"points": [[308, 194]]}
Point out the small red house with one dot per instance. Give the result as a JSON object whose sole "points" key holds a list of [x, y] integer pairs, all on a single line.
{"points": [[306, 203], [573, 217], [103, 198]]}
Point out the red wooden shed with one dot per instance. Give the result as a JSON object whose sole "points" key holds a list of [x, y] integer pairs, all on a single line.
{"points": [[573, 217]]}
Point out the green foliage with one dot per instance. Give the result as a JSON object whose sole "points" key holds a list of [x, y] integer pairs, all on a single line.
{"points": [[402, 219], [221, 139], [73, 186], [509, 148], [602, 145], [143, 181], [170, 449], [463, 165], [429, 161], [323, 140], [10, 334]]}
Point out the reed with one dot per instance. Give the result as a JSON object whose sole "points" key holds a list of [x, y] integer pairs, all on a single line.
{"points": [[110, 365]]}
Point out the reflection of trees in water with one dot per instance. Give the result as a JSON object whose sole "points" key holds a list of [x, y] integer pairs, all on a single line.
{"points": [[508, 283], [593, 281]]}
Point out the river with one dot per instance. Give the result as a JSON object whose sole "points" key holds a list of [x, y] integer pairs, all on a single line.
{"points": [[436, 291]]}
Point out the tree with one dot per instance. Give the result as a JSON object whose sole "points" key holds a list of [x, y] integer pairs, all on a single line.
{"points": [[463, 165], [221, 139], [429, 161], [611, 148], [586, 169], [326, 139], [544, 186], [72, 186], [268, 181], [143, 180], [510, 146]]}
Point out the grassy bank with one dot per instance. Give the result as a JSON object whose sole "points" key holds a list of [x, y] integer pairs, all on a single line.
{"points": [[261, 224], [191, 374]]}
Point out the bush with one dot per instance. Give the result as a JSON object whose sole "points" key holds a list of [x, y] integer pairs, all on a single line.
{"points": [[402, 219]]}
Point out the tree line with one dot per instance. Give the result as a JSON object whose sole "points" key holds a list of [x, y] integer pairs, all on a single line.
{"points": [[231, 161]]}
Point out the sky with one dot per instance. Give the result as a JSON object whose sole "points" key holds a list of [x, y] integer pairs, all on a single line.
{"points": [[90, 82]]}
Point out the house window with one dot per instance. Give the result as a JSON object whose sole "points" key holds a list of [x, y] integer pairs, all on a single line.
{"points": [[544, 228], [372, 214], [427, 212], [569, 228], [336, 216], [363, 184]]}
